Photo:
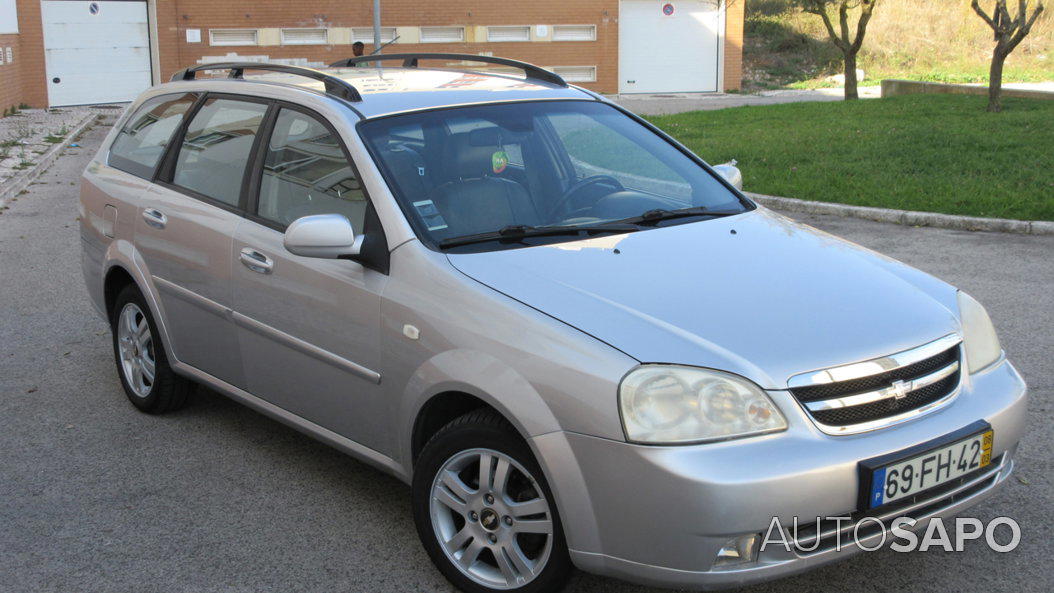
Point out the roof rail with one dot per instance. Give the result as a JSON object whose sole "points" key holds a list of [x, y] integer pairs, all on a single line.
{"points": [[334, 86], [531, 71]]}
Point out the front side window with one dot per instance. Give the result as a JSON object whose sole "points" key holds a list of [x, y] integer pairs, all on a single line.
{"points": [[517, 171], [216, 148], [307, 172], [141, 142]]}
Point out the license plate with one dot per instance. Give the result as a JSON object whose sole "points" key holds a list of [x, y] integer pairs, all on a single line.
{"points": [[907, 477]]}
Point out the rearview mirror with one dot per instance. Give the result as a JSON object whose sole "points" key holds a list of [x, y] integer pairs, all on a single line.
{"points": [[326, 236], [731, 173]]}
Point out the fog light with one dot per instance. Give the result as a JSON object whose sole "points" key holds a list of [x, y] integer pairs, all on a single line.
{"points": [[739, 550]]}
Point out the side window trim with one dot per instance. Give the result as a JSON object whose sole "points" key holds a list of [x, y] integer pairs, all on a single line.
{"points": [[261, 156], [110, 156], [166, 170], [255, 171], [163, 171], [375, 254]]}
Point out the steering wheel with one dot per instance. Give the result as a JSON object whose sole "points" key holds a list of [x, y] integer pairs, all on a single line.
{"points": [[581, 184]]}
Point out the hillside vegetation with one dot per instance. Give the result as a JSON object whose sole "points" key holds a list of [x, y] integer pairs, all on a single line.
{"points": [[935, 40]]}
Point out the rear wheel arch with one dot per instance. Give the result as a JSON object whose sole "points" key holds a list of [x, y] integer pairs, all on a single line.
{"points": [[116, 279], [124, 267]]}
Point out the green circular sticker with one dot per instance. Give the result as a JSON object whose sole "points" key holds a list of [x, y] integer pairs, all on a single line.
{"points": [[498, 161]]}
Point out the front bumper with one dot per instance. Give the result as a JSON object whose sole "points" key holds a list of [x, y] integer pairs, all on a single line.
{"points": [[659, 515]]}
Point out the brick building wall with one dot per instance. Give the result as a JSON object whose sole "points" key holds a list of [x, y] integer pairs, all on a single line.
{"points": [[176, 16], [22, 80], [10, 74], [733, 59]]}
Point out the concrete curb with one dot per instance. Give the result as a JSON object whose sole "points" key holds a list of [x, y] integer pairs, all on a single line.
{"points": [[909, 217], [894, 87], [14, 186]]}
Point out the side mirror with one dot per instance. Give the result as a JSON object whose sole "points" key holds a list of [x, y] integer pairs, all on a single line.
{"points": [[326, 236], [731, 173]]}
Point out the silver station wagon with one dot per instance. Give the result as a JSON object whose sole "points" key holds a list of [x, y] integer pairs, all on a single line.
{"points": [[579, 343]]}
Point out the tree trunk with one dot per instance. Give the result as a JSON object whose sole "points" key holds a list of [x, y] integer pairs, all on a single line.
{"points": [[850, 77], [995, 80]]}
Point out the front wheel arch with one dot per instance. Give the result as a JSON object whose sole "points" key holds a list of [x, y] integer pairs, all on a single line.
{"points": [[439, 411]]}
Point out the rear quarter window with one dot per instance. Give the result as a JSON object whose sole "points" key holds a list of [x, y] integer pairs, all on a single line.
{"points": [[141, 142]]}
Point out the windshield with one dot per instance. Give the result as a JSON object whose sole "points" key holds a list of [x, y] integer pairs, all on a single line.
{"points": [[515, 174]]}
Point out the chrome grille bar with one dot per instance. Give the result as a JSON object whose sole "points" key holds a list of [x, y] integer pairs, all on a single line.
{"points": [[875, 366], [895, 391]]}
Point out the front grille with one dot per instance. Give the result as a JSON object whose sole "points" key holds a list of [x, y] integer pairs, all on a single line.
{"points": [[883, 408]]}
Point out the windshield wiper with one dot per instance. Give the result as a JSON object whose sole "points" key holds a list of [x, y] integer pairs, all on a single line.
{"points": [[516, 232], [659, 214]]}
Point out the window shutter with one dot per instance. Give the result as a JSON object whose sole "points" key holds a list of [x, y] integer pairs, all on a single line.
{"points": [[232, 36], [509, 33], [574, 33], [442, 34], [576, 73], [304, 37], [365, 34]]}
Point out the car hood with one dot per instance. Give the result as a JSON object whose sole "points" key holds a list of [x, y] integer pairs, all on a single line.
{"points": [[756, 294]]}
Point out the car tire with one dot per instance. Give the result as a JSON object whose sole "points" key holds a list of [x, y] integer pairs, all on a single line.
{"points": [[142, 365], [488, 530]]}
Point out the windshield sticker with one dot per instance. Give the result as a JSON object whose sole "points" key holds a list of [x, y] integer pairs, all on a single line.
{"points": [[430, 215], [498, 161]]}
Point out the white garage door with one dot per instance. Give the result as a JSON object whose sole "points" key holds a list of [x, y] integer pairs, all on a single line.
{"points": [[95, 52], [669, 46]]}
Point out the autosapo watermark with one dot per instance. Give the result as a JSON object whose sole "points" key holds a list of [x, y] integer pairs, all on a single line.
{"points": [[903, 534]]}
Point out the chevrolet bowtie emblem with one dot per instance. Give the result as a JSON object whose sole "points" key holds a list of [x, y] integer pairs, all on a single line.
{"points": [[900, 389]]}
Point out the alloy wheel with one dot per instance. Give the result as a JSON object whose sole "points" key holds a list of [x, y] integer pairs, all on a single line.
{"points": [[135, 344], [491, 518]]}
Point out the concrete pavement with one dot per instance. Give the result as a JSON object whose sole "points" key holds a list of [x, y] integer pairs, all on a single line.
{"points": [[97, 497]]}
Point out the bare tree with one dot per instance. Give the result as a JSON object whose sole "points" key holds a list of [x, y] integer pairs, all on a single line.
{"points": [[844, 39], [1009, 31]]}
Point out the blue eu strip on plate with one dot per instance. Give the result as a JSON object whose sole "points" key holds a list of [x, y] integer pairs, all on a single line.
{"points": [[878, 482]]}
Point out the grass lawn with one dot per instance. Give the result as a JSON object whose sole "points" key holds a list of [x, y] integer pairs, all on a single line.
{"points": [[936, 153]]}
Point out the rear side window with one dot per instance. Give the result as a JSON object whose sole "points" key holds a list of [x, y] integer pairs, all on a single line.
{"points": [[141, 142], [306, 172], [216, 148]]}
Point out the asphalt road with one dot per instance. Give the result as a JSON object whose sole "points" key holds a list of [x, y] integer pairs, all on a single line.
{"points": [[95, 496]]}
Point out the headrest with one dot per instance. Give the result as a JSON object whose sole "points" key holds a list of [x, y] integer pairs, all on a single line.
{"points": [[471, 155], [489, 136]]}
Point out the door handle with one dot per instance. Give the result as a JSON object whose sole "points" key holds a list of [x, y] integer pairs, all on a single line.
{"points": [[155, 218], [256, 261]]}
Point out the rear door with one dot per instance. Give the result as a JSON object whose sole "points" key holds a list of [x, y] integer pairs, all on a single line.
{"points": [[308, 328], [185, 230]]}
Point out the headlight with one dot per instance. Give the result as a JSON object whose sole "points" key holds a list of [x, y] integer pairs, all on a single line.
{"points": [[979, 339], [676, 405]]}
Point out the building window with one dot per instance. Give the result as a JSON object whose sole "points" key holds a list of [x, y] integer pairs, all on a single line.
{"points": [[304, 37], [232, 37], [576, 73], [365, 34], [509, 33], [574, 32], [442, 34]]}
